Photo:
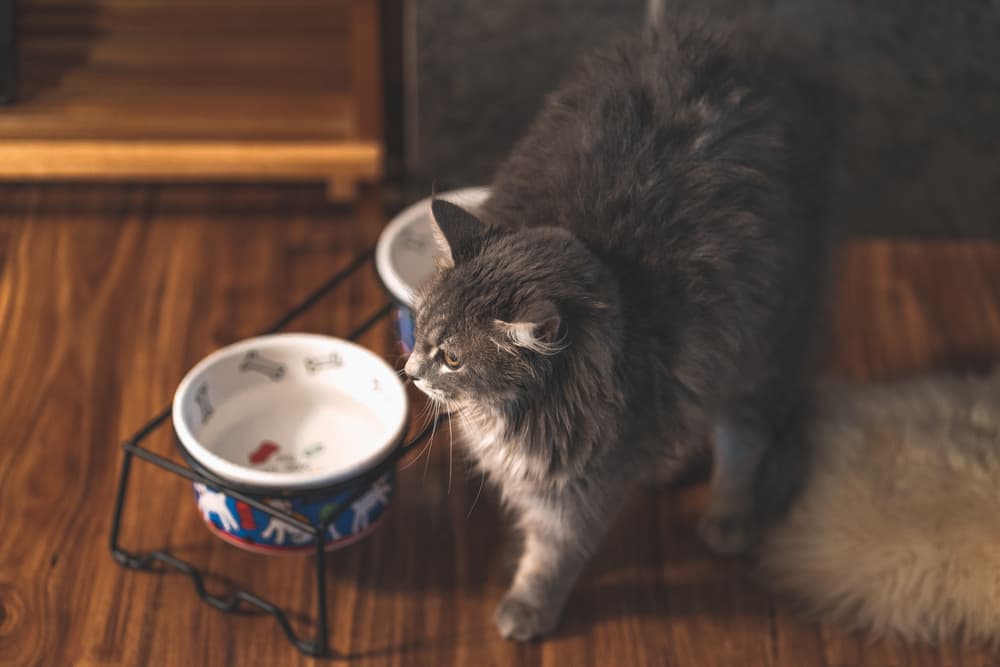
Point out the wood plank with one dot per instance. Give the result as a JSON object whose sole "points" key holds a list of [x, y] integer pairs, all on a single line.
{"points": [[366, 49], [262, 122], [184, 50], [146, 160], [108, 294], [325, 18]]}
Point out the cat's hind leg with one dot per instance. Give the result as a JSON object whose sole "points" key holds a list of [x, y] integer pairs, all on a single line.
{"points": [[738, 448], [759, 462]]}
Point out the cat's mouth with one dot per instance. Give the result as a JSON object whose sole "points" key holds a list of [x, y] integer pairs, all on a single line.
{"points": [[436, 394]]}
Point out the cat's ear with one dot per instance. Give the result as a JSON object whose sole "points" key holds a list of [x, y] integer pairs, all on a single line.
{"points": [[539, 328], [454, 229]]}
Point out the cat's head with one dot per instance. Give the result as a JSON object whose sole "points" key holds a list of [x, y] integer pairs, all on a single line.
{"points": [[505, 312]]}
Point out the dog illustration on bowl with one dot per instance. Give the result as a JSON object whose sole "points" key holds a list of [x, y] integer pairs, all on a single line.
{"points": [[250, 528]]}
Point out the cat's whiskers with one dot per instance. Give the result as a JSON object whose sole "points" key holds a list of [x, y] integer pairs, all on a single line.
{"points": [[423, 418], [437, 413], [451, 442], [416, 458], [462, 409], [482, 481]]}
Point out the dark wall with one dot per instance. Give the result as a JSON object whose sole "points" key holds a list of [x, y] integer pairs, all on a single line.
{"points": [[482, 69], [922, 104]]}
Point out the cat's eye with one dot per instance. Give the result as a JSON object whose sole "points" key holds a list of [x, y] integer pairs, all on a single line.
{"points": [[451, 360]]}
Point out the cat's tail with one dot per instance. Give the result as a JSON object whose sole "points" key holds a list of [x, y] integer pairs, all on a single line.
{"points": [[897, 528]]}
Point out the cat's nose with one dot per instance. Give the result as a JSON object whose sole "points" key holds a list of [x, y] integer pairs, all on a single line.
{"points": [[412, 367]]}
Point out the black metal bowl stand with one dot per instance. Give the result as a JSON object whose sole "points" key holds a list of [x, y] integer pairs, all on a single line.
{"points": [[239, 600]]}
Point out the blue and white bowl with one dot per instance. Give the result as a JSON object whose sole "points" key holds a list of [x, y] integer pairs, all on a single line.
{"points": [[406, 252], [291, 419]]}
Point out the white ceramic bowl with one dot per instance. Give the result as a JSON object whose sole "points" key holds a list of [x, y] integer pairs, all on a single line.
{"points": [[288, 415], [331, 408], [404, 256]]}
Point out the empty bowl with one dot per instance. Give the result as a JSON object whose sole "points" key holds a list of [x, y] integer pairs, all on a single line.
{"points": [[406, 251], [295, 420]]}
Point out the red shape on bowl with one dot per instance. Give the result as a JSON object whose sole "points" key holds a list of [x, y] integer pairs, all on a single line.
{"points": [[265, 450], [246, 516]]}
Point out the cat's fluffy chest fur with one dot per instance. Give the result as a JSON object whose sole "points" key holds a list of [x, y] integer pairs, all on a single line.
{"points": [[486, 438], [500, 452]]}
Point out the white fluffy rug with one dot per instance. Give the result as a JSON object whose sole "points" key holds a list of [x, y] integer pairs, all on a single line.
{"points": [[898, 528]]}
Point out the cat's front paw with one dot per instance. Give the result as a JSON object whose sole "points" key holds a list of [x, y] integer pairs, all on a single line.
{"points": [[521, 621], [727, 534]]}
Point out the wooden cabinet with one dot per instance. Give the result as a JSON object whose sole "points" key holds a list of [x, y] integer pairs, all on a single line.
{"points": [[195, 90]]}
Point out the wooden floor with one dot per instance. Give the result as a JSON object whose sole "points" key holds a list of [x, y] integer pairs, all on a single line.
{"points": [[109, 294]]}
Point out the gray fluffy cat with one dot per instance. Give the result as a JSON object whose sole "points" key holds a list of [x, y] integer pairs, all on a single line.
{"points": [[647, 275]]}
